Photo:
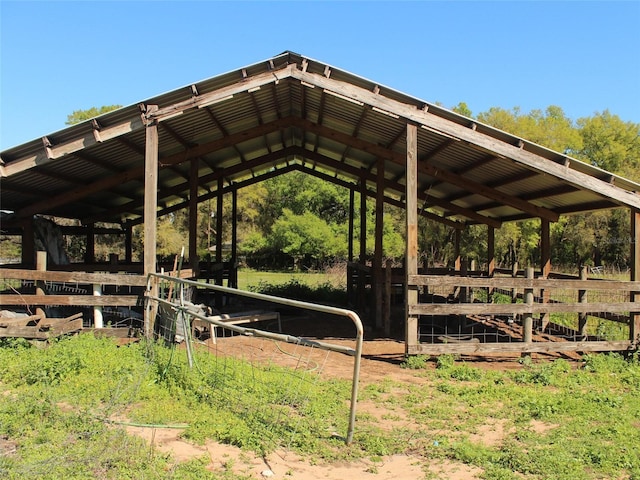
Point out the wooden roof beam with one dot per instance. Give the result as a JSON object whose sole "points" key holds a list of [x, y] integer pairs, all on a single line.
{"points": [[473, 137], [135, 174], [214, 193], [183, 188], [389, 200], [430, 170], [395, 186], [546, 193]]}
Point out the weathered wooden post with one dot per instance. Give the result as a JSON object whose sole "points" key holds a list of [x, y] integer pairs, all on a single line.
{"points": [[582, 298], [491, 259], [150, 211], [527, 320], [411, 296], [514, 290], [387, 297], [41, 266]]}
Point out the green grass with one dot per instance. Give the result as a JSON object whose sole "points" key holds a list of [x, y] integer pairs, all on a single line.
{"points": [[248, 278], [557, 420]]}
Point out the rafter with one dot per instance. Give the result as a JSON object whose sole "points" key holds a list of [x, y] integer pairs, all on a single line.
{"points": [[473, 137], [397, 187], [137, 172], [430, 170]]}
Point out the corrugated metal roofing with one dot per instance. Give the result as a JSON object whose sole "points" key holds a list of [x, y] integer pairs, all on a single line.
{"points": [[291, 107]]}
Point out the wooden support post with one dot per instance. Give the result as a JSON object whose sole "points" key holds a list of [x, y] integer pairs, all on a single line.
{"points": [[527, 320], [362, 300], [352, 195], [377, 260], [491, 258], [41, 266], [90, 252], [233, 272], [150, 213], [150, 193], [387, 297], [219, 272], [634, 319], [514, 274], [28, 244], [193, 216], [411, 330], [350, 271], [545, 265], [128, 245], [582, 298], [456, 250], [219, 213], [463, 295]]}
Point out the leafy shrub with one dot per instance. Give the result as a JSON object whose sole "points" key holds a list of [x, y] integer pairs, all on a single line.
{"points": [[415, 362]]}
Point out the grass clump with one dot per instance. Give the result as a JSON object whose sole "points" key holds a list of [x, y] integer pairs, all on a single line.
{"points": [[325, 292]]}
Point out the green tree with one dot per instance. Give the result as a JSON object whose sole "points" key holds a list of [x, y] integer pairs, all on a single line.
{"points": [[611, 144], [79, 116], [305, 236]]}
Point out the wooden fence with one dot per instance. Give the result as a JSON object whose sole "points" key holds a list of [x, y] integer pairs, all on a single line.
{"points": [[49, 303]]}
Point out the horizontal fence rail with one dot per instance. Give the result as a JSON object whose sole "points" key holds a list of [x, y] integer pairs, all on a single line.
{"points": [[458, 314]]}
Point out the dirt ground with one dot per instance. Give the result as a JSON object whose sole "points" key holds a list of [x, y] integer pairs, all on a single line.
{"points": [[381, 359]]}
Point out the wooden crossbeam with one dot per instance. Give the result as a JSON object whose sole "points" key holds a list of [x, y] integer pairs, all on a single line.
{"points": [[434, 172]]}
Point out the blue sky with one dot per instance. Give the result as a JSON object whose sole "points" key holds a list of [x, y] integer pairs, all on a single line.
{"points": [[57, 57]]}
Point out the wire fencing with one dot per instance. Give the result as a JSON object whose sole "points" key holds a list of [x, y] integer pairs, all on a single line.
{"points": [[266, 376]]}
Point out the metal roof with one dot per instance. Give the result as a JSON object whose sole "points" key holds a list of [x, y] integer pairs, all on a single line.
{"points": [[292, 112]]}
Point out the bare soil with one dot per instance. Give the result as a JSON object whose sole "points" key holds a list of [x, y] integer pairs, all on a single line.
{"points": [[381, 359]]}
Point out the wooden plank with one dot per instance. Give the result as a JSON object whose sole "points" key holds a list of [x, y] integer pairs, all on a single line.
{"points": [[498, 282], [193, 213], [517, 308], [518, 347], [74, 277], [378, 248], [20, 321], [111, 332], [84, 140], [74, 300], [475, 138], [61, 327]]}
